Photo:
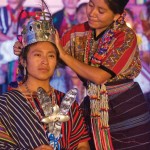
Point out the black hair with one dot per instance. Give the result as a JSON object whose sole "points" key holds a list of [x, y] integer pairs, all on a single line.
{"points": [[117, 6]]}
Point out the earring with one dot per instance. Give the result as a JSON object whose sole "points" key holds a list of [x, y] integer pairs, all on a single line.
{"points": [[24, 71], [115, 24]]}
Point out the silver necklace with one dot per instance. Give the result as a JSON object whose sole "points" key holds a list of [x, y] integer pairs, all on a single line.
{"points": [[31, 101]]}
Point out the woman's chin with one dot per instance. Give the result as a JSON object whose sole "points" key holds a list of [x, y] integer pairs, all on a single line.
{"points": [[92, 25]]}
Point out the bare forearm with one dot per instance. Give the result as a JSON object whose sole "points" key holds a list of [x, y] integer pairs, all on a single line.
{"points": [[83, 146]]}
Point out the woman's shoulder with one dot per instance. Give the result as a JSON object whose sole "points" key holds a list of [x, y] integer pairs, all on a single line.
{"points": [[10, 98], [125, 31], [10, 94]]}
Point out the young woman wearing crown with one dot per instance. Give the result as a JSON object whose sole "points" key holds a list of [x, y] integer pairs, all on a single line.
{"points": [[34, 115], [104, 52]]}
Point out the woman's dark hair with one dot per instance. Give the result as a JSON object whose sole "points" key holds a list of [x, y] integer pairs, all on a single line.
{"points": [[117, 6], [24, 57]]}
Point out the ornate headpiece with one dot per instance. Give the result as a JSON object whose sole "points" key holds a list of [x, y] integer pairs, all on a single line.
{"points": [[39, 28]]}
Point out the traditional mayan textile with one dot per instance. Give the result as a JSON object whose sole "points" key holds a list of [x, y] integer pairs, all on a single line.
{"points": [[129, 117], [24, 127], [129, 120], [121, 60], [4, 135], [117, 53]]}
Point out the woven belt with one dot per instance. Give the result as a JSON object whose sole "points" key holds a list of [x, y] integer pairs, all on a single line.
{"points": [[116, 89]]}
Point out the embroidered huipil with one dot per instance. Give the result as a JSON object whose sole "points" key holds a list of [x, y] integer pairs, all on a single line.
{"points": [[116, 52], [122, 58]]}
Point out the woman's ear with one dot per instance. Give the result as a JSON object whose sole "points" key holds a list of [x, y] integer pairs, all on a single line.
{"points": [[116, 17]]}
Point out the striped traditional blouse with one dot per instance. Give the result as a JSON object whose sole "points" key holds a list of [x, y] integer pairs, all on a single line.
{"points": [[20, 127]]}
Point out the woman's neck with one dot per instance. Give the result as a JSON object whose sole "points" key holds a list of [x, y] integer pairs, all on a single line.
{"points": [[99, 31], [34, 85]]}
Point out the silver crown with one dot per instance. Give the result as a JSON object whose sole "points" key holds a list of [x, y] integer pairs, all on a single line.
{"points": [[39, 28]]}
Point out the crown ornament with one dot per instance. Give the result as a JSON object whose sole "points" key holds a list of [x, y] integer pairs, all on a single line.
{"points": [[38, 28]]}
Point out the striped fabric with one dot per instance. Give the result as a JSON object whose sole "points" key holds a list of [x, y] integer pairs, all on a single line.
{"points": [[26, 130], [129, 120]]}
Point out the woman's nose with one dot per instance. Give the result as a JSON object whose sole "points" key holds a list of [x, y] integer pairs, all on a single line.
{"points": [[44, 60], [93, 12]]}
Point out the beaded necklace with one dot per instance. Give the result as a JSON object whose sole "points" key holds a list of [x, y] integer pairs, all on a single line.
{"points": [[51, 126], [35, 102]]}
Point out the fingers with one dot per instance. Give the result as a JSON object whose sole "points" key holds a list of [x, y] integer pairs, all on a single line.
{"points": [[17, 48], [57, 32], [57, 39], [18, 44]]}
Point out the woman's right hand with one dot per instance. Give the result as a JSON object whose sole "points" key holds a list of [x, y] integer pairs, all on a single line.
{"points": [[17, 48], [58, 45], [44, 147]]}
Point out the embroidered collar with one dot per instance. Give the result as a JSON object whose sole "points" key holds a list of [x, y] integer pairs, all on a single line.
{"points": [[99, 36]]}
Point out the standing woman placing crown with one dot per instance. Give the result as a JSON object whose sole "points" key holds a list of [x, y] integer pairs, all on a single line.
{"points": [[34, 115], [104, 52]]}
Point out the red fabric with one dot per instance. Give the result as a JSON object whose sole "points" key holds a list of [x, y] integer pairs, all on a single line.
{"points": [[74, 130], [124, 57]]}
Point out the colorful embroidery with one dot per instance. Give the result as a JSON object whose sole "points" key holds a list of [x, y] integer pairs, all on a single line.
{"points": [[116, 50], [104, 42]]}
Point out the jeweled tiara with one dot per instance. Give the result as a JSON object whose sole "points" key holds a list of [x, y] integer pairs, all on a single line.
{"points": [[38, 28]]}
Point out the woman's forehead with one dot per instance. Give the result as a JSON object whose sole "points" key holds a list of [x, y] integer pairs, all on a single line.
{"points": [[43, 47]]}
